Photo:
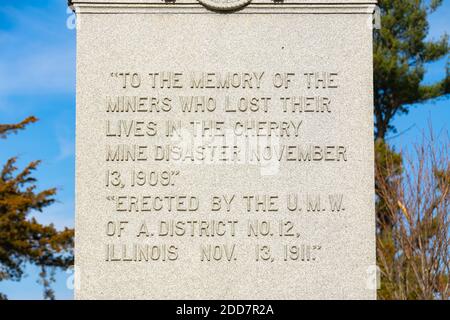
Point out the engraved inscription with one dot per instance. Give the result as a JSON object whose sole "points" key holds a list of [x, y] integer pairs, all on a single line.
{"points": [[158, 122]]}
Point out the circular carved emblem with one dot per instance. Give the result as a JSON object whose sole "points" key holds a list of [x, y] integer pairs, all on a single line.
{"points": [[224, 4]]}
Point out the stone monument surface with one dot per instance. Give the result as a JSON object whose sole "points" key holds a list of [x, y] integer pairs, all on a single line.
{"points": [[224, 149]]}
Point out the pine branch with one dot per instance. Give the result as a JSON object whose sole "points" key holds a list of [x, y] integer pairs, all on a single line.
{"points": [[6, 129]]}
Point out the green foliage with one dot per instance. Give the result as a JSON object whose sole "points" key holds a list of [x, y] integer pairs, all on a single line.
{"points": [[401, 52], [22, 238]]}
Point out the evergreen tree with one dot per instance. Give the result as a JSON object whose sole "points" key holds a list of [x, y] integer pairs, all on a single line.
{"points": [[22, 238], [401, 52]]}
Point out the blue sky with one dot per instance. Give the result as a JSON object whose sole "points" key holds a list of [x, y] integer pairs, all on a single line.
{"points": [[37, 77]]}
